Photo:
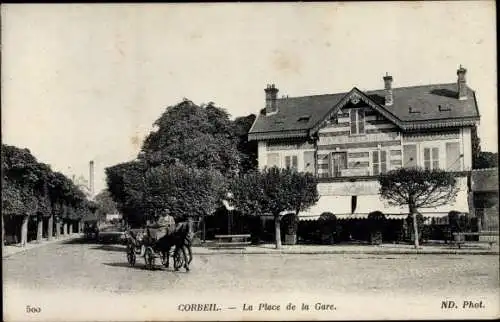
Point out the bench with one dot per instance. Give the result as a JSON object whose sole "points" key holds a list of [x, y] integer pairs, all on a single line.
{"points": [[232, 241], [459, 238]]}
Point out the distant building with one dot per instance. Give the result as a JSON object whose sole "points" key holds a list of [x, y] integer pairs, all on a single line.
{"points": [[484, 187], [348, 139]]}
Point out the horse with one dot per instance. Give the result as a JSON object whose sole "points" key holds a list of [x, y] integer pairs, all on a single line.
{"points": [[180, 238]]}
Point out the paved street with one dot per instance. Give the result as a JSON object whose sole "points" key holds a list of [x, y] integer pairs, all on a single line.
{"points": [[74, 270], [104, 267]]}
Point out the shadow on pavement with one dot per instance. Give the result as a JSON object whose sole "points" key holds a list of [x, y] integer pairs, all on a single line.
{"points": [[81, 240], [111, 248], [143, 267]]}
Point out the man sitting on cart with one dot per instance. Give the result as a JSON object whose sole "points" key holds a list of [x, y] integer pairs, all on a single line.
{"points": [[165, 225]]}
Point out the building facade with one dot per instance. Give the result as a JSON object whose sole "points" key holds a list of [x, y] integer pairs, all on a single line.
{"points": [[348, 139]]}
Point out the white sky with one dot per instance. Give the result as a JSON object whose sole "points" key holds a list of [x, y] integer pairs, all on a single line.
{"points": [[86, 82]]}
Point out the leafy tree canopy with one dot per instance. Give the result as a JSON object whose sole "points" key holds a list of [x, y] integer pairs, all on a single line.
{"points": [[127, 187], [486, 160], [105, 203], [197, 136], [418, 188], [248, 150], [32, 187], [184, 191], [274, 190]]}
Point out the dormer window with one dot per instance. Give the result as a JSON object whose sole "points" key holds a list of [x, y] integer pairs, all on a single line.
{"points": [[357, 118]]}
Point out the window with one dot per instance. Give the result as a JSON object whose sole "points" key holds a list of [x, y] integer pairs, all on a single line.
{"points": [[309, 161], [357, 121], [431, 158], [410, 156], [291, 162], [338, 162], [379, 162], [453, 158], [273, 160]]}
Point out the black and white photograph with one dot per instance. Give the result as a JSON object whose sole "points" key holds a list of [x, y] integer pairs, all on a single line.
{"points": [[250, 161]]}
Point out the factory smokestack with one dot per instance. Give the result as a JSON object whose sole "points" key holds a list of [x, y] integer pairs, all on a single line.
{"points": [[91, 178]]}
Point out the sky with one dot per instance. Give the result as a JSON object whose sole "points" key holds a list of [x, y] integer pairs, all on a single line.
{"points": [[85, 82]]}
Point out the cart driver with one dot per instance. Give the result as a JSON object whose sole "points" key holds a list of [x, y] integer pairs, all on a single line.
{"points": [[167, 222]]}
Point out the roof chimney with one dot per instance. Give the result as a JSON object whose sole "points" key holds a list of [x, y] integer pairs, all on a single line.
{"points": [[389, 100], [461, 83], [271, 96]]}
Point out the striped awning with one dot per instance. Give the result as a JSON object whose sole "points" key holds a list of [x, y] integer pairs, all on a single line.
{"points": [[351, 216], [342, 207], [334, 204], [370, 203]]}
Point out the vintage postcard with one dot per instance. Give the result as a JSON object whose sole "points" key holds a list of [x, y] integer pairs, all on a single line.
{"points": [[247, 161]]}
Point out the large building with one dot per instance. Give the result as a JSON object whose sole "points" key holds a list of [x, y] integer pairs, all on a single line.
{"points": [[347, 139]]}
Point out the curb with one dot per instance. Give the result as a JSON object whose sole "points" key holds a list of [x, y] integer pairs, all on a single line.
{"points": [[345, 252], [340, 252]]}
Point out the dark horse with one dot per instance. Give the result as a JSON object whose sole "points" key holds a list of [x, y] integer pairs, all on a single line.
{"points": [[181, 240]]}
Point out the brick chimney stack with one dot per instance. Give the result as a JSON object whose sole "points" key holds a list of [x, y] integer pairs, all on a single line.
{"points": [[91, 178], [389, 99], [461, 83], [271, 96]]}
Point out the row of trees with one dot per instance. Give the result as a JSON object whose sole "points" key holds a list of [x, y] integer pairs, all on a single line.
{"points": [[30, 189]]}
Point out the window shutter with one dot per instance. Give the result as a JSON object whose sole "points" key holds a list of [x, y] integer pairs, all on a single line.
{"points": [[435, 158], [295, 163], [375, 163], [330, 164], [353, 122], [383, 161], [361, 121], [287, 161], [427, 158]]}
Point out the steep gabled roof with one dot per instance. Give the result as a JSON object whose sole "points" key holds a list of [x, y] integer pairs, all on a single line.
{"points": [[356, 94], [432, 106], [286, 123]]}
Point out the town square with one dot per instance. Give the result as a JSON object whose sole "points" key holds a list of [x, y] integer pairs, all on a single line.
{"points": [[249, 162]]}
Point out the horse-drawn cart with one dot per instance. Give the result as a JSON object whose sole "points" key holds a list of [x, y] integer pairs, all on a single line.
{"points": [[145, 243]]}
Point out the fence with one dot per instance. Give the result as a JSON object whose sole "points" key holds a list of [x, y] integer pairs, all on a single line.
{"points": [[488, 218]]}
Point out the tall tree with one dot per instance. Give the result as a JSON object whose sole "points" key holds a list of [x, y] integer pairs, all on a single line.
{"points": [[197, 136], [274, 191], [36, 186], [418, 188], [105, 203], [127, 186], [481, 159], [248, 150], [186, 192], [486, 160]]}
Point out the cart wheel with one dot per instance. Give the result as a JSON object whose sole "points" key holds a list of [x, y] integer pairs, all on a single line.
{"points": [[131, 256], [149, 258], [178, 259]]}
